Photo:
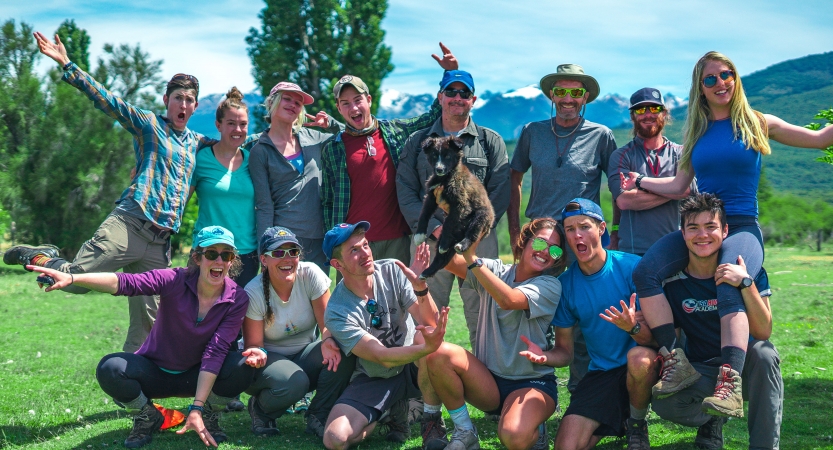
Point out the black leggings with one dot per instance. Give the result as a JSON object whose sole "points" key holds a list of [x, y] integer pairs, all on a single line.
{"points": [[124, 376]]}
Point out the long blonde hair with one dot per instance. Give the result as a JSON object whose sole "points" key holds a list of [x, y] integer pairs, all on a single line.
{"points": [[271, 105], [747, 123]]}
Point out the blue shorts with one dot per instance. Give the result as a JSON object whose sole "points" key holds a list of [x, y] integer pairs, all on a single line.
{"points": [[546, 384]]}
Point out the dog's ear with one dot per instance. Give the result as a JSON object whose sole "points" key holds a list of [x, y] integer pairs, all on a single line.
{"points": [[456, 143], [428, 145]]}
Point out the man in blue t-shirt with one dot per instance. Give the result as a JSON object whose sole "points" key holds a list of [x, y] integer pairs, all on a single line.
{"points": [[692, 295], [610, 392]]}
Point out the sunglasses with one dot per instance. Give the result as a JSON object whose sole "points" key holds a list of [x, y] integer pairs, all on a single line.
{"points": [[656, 109], [539, 244], [574, 92], [711, 80], [212, 255], [372, 307], [464, 94], [284, 252]]}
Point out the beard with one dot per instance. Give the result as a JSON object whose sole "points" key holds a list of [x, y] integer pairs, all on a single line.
{"points": [[647, 131]]}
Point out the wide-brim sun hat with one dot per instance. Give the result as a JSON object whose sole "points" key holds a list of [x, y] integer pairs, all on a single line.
{"points": [[285, 86], [572, 72]]}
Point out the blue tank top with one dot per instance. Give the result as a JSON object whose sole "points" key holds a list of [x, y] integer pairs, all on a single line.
{"points": [[726, 167]]}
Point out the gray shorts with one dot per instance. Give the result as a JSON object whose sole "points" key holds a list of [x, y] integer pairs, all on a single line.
{"points": [[373, 396]]}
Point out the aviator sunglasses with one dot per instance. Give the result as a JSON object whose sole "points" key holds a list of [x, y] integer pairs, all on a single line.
{"points": [[574, 92], [464, 94], [711, 80], [372, 307], [539, 244], [656, 109], [212, 255], [284, 252]]}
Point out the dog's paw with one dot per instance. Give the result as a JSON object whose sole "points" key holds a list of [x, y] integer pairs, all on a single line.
{"points": [[462, 246], [423, 276], [441, 249], [419, 238]]}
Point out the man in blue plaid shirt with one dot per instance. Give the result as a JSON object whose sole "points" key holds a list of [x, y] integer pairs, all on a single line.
{"points": [[359, 166], [135, 237]]}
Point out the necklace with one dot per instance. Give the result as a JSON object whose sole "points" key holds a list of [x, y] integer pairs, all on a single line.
{"points": [[559, 150]]}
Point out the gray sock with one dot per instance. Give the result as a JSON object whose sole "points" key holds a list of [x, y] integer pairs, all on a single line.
{"points": [[216, 402], [638, 414], [135, 405]]}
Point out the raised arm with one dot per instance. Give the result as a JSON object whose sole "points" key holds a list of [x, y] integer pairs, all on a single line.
{"points": [[758, 310], [795, 136], [373, 350]]}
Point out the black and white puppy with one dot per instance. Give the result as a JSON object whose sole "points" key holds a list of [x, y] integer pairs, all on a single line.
{"points": [[470, 215]]}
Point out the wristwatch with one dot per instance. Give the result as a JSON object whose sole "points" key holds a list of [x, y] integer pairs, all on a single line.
{"points": [[477, 263], [635, 330], [745, 283]]}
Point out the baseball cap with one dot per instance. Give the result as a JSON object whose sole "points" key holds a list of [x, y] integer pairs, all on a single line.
{"points": [[451, 76], [338, 235], [285, 86], [352, 80], [590, 209], [646, 96], [274, 237], [213, 235]]}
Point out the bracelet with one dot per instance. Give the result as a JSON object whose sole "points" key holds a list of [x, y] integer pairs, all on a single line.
{"points": [[638, 182], [614, 227], [71, 279], [193, 407], [421, 293], [328, 337], [67, 66]]}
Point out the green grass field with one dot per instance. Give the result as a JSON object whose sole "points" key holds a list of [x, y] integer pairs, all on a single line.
{"points": [[50, 345]]}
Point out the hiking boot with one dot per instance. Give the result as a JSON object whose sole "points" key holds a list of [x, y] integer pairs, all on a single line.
{"points": [[261, 424], [396, 422], [23, 254], [433, 431], [235, 405], [543, 442], [145, 422], [314, 426], [710, 434], [637, 434], [676, 373], [415, 408], [211, 420], [463, 440], [728, 398]]}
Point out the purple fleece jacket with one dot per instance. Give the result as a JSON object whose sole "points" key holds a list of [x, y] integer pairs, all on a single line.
{"points": [[176, 341]]}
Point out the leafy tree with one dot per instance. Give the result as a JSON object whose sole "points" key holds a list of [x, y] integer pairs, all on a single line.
{"points": [[826, 114], [77, 42], [313, 43]]}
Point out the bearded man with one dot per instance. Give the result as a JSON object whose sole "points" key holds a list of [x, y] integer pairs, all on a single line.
{"points": [[645, 216]]}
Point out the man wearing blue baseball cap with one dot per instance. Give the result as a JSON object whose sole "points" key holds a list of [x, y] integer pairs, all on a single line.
{"points": [[367, 315], [609, 393], [484, 153]]}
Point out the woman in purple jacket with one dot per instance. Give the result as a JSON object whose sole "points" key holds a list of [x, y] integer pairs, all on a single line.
{"points": [[187, 352]]}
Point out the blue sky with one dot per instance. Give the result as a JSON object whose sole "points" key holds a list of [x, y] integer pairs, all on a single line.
{"points": [[506, 45]]}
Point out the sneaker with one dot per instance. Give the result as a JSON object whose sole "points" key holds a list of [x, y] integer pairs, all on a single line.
{"points": [[23, 254], [543, 442], [433, 431], [314, 426], [261, 425], [396, 423], [145, 422], [211, 420], [235, 405], [676, 373], [728, 398], [416, 406], [463, 440], [637, 434], [710, 434], [302, 404]]}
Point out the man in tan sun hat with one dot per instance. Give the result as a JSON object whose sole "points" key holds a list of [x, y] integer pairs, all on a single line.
{"points": [[567, 155]]}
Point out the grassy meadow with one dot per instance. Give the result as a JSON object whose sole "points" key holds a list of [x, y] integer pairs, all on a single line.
{"points": [[50, 345]]}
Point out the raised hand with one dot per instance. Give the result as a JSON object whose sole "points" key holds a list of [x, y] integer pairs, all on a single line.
{"points": [[255, 357], [624, 319], [628, 181], [434, 336], [534, 353], [320, 120], [56, 51], [448, 61], [422, 259]]}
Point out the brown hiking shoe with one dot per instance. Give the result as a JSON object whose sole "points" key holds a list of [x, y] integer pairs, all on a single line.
{"points": [[728, 398], [145, 423], [434, 433], [211, 420], [396, 423], [262, 425], [676, 373], [637, 434]]}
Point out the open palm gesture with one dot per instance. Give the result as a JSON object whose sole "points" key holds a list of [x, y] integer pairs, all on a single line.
{"points": [[54, 50]]}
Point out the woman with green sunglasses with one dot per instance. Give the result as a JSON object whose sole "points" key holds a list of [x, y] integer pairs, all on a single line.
{"points": [[287, 302], [517, 303]]}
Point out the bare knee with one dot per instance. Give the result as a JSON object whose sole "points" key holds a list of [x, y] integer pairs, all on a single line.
{"points": [[441, 358], [514, 437], [641, 362]]}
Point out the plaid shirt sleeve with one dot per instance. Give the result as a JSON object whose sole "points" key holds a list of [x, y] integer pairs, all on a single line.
{"points": [[131, 118], [395, 132], [335, 183]]}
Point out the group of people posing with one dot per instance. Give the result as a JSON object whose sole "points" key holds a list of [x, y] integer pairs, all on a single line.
{"points": [[609, 298]]}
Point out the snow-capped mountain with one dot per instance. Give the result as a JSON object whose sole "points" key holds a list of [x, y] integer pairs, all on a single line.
{"points": [[505, 113]]}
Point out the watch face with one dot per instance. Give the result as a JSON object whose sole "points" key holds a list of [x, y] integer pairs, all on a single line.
{"points": [[746, 282]]}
